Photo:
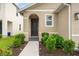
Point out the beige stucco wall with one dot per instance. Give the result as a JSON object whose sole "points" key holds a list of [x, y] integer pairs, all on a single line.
{"points": [[42, 28], [62, 22], [75, 23], [44, 6], [41, 15]]}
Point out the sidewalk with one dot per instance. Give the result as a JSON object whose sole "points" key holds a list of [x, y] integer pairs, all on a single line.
{"points": [[31, 49]]}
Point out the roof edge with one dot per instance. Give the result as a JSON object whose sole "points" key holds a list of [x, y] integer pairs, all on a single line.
{"points": [[26, 7], [61, 6], [15, 5]]}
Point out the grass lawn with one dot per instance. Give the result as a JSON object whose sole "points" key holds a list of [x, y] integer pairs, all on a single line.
{"points": [[6, 42]]}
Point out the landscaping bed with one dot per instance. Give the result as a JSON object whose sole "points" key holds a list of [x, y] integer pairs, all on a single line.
{"points": [[59, 52], [57, 45], [18, 50], [12, 45]]}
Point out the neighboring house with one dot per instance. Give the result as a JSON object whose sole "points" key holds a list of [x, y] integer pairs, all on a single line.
{"points": [[52, 18], [10, 20]]}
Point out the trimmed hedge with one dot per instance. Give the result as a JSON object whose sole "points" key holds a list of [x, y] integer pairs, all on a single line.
{"points": [[45, 33], [59, 40], [50, 44], [69, 46], [56, 41], [5, 52], [44, 39], [0, 35], [19, 39], [45, 36]]}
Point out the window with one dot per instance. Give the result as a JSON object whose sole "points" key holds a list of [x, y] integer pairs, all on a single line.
{"points": [[49, 21], [16, 14], [76, 16], [20, 27]]}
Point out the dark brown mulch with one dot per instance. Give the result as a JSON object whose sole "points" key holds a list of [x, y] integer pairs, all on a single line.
{"points": [[17, 51], [59, 52]]}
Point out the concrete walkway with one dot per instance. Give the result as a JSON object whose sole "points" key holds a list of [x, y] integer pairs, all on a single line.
{"points": [[31, 49]]}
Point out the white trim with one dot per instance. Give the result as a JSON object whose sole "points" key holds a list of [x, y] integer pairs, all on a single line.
{"points": [[69, 20], [49, 10], [52, 20], [75, 34]]}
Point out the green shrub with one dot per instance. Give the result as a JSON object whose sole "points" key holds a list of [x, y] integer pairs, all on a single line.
{"points": [[50, 44], [17, 42], [43, 40], [23, 37], [69, 46], [0, 35], [19, 39], [5, 52], [45, 36], [20, 36], [78, 46], [45, 33], [59, 40], [1, 52]]}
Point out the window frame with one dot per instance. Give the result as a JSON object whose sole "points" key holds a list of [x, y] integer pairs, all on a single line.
{"points": [[17, 14], [46, 20], [19, 27]]}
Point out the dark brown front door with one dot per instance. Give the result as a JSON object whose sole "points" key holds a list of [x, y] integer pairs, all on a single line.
{"points": [[34, 27]]}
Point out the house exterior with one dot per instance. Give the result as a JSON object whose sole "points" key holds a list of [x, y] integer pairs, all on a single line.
{"points": [[10, 20], [61, 18]]}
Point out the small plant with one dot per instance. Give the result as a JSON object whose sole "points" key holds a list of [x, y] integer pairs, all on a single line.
{"points": [[23, 37], [1, 51], [7, 52], [20, 36], [50, 44], [45, 36], [19, 39], [78, 46], [59, 40], [0, 35], [17, 42], [69, 46], [43, 40], [45, 33]]}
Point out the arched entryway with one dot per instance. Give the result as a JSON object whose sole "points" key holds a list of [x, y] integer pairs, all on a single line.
{"points": [[34, 24]]}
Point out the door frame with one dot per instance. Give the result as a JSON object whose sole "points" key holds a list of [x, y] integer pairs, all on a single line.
{"points": [[36, 28], [37, 18]]}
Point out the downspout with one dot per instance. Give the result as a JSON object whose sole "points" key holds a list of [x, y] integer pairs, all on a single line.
{"points": [[69, 21]]}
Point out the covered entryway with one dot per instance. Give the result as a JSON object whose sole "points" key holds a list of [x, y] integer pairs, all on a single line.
{"points": [[34, 21], [34, 27]]}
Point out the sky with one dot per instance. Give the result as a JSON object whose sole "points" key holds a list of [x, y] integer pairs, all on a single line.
{"points": [[22, 5]]}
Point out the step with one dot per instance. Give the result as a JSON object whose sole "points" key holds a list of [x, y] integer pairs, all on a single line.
{"points": [[34, 38]]}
